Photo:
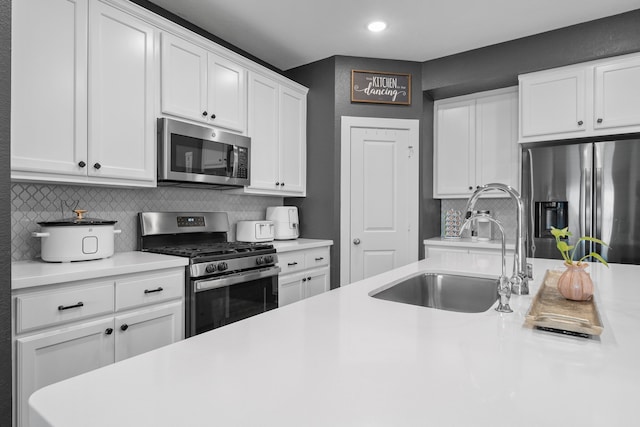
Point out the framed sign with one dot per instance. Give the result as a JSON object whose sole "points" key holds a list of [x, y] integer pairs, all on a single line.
{"points": [[380, 88]]}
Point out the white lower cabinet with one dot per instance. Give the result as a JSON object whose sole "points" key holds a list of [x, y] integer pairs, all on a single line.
{"points": [[304, 273], [436, 248], [68, 329]]}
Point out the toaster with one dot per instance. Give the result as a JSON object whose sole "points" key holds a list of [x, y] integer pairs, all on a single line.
{"points": [[255, 231], [285, 219]]}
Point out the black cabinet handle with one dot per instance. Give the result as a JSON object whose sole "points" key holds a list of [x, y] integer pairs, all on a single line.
{"points": [[204, 113], [277, 183], [320, 258], [304, 279], [599, 120], [67, 307], [580, 123], [82, 164], [282, 184], [309, 278], [213, 116], [97, 165], [108, 331], [124, 327], [292, 264], [150, 291], [470, 188]]}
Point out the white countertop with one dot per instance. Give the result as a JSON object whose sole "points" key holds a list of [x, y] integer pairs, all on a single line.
{"points": [[468, 243], [300, 244], [343, 358], [26, 274]]}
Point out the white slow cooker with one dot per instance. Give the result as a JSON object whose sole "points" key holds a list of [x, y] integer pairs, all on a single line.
{"points": [[76, 239]]}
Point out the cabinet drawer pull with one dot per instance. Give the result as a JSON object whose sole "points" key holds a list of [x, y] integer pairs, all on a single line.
{"points": [[320, 258], [291, 264], [124, 327], [150, 291], [67, 307], [108, 331]]}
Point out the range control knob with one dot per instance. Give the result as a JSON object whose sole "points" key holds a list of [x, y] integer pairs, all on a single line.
{"points": [[211, 268], [260, 260], [268, 258], [222, 266]]}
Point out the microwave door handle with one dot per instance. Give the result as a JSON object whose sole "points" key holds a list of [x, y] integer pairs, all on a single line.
{"points": [[235, 161]]}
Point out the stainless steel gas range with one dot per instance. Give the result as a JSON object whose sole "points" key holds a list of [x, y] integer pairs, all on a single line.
{"points": [[225, 281]]}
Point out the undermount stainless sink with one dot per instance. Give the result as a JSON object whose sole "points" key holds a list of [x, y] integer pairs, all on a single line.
{"points": [[451, 292]]}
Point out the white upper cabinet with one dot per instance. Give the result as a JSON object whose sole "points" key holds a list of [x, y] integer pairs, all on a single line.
{"points": [[121, 115], [90, 66], [617, 94], [553, 103], [278, 131], [48, 87], [585, 100], [476, 143], [202, 86]]}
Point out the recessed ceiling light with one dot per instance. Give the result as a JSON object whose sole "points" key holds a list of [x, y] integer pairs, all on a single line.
{"points": [[377, 26]]}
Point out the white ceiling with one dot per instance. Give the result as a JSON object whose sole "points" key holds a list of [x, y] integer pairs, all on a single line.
{"points": [[290, 33]]}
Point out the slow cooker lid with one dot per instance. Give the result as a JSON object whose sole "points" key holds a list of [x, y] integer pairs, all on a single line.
{"points": [[79, 219]]}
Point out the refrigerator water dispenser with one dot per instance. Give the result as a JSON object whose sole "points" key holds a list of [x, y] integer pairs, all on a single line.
{"points": [[550, 214]]}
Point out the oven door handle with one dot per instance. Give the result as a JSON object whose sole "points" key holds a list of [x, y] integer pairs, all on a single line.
{"points": [[203, 285]]}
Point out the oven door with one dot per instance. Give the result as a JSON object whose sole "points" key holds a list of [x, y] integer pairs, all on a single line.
{"points": [[220, 301]]}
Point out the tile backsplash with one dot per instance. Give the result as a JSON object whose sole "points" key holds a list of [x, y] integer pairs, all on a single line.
{"points": [[503, 210], [33, 203]]}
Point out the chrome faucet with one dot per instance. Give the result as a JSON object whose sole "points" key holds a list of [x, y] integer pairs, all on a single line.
{"points": [[521, 274], [504, 288]]}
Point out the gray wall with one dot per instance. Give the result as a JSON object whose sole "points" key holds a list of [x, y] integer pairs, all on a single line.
{"points": [[498, 65], [5, 228], [329, 83]]}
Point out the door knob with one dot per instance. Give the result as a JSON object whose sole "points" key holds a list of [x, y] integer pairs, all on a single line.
{"points": [[356, 241]]}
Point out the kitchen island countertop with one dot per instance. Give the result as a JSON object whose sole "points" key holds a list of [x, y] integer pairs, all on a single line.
{"points": [[343, 358]]}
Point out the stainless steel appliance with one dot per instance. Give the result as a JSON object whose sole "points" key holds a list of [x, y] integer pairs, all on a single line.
{"points": [[189, 154], [225, 281], [592, 188]]}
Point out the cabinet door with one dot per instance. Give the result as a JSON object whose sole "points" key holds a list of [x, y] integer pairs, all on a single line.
{"points": [[293, 136], [48, 86], [454, 150], [184, 79], [617, 94], [146, 330], [122, 130], [53, 356], [553, 103], [227, 94], [263, 130], [431, 251], [317, 282], [497, 148], [289, 289]]}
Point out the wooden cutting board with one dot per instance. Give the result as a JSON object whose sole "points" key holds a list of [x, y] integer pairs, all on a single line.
{"points": [[550, 310]]}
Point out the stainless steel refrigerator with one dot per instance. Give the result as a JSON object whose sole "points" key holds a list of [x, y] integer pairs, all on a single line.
{"points": [[592, 188]]}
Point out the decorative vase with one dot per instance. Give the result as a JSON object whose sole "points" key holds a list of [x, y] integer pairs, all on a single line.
{"points": [[575, 283]]}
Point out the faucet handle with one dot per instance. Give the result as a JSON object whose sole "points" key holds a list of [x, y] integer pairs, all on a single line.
{"points": [[504, 293], [519, 285]]}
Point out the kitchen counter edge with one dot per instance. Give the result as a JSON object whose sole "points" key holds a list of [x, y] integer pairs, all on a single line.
{"points": [[28, 274], [300, 244]]}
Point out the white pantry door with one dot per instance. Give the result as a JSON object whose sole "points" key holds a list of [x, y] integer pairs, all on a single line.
{"points": [[380, 195]]}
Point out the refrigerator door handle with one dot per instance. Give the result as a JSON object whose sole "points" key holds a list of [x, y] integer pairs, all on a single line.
{"points": [[598, 196], [586, 199]]}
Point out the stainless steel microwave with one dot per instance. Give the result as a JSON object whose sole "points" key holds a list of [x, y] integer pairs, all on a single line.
{"points": [[189, 154]]}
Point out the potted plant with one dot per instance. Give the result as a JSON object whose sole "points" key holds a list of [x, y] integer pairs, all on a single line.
{"points": [[575, 283]]}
